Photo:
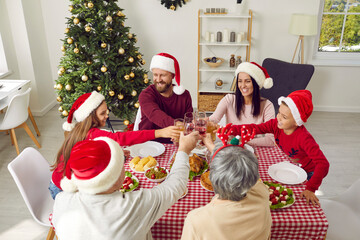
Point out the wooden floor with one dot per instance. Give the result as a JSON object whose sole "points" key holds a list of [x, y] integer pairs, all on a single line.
{"points": [[338, 135]]}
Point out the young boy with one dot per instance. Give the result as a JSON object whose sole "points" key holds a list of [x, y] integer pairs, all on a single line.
{"points": [[296, 142]]}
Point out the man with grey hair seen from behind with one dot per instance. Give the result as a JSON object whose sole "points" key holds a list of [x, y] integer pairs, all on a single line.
{"points": [[240, 207]]}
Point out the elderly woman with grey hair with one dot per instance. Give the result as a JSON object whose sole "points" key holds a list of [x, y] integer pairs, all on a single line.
{"points": [[240, 207]]}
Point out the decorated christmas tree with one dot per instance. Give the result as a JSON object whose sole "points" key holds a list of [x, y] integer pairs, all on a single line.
{"points": [[100, 54]]}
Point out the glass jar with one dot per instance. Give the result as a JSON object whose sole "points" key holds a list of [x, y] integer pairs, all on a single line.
{"points": [[232, 61]]}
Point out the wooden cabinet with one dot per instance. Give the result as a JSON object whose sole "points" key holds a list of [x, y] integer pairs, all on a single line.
{"points": [[208, 94]]}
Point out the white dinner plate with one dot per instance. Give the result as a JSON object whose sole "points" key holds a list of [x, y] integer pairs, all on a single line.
{"points": [[147, 148], [287, 173]]}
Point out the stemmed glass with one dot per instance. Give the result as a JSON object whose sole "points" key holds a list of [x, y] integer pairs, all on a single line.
{"points": [[178, 122], [200, 122], [189, 123]]}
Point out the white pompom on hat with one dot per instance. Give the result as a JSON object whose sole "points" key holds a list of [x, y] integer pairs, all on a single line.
{"points": [[257, 72], [94, 166], [82, 108], [167, 62], [300, 104]]}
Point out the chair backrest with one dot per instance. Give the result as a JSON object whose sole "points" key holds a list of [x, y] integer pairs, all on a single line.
{"points": [[32, 175], [137, 119], [17, 111], [287, 77], [351, 197]]}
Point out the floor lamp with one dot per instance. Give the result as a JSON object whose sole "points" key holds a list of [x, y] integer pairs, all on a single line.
{"points": [[302, 25]]}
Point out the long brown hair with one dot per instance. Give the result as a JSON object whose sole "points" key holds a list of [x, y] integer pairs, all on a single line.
{"points": [[79, 133]]}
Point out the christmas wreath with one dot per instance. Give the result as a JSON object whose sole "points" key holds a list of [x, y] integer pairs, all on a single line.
{"points": [[172, 4]]}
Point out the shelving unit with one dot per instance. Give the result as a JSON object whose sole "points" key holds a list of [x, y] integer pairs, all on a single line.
{"points": [[208, 96]]}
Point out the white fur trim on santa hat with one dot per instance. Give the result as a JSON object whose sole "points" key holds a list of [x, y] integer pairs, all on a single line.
{"points": [[268, 83], [178, 90], [104, 180], [68, 126], [256, 73], [68, 185], [294, 110], [163, 63], [90, 104]]}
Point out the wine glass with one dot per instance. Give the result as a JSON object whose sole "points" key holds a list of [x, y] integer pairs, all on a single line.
{"points": [[200, 122], [211, 126], [188, 123], [178, 122]]}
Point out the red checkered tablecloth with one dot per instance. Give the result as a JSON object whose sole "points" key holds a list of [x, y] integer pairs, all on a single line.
{"points": [[299, 221]]}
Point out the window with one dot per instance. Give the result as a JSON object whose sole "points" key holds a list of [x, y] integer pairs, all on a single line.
{"points": [[4, 71], [339, 35]]}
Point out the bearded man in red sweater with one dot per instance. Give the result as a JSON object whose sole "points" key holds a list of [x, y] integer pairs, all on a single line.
{"points": [[162, 102]]}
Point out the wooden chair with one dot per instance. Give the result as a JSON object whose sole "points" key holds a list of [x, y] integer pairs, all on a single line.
{"points": [[16, 116], [287, 77], [33, 185]]}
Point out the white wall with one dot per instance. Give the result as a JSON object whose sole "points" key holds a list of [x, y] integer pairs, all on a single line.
{"points": [[161, 30]]}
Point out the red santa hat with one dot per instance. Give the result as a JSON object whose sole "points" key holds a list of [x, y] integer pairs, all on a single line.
{"points": [[300, 104], [257, 72], [94, 166], [168, 63], [82, 108]]}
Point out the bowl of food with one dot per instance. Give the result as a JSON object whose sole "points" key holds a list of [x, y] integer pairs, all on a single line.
{"points": [[156, 174], [214, 62]]}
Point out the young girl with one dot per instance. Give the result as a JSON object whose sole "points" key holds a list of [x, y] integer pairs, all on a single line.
{"points": [[246, 105], [90, 111]]}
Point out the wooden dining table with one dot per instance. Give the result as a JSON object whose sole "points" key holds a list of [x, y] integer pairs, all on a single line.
{"points": [[299, 221]]}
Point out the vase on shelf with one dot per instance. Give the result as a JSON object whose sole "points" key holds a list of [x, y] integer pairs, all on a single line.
{"points": [[232, 61]]}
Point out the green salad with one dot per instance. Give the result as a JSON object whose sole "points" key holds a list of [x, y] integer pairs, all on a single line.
{"points": [[279, 196]]}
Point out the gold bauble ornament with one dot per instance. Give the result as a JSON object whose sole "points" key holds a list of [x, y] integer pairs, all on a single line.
{"points": [[67, 30], [89, 62], [172, 7], [76, 50], [123, 24], [108, 18], [143, 62], [109, 29], [133, 93], [120, 96], [121, 51], [61, 71], [76, 21], [126, 122], [132, 74], [63, 48], [130, 36], [135, 39], [70, 40], [71, 8], [131, 59], [139, 56], [137, 105], [90, 5], [59, 86], [60, 109], [103, 69], [68, 87], [127, 77], [99, 88], [219, 82], [146, 80], [120, 14], [87, 28], [103, 45], [59, 99], [84, 78], [55, 86], [65, 113], [145, 75], [111, 93]]}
